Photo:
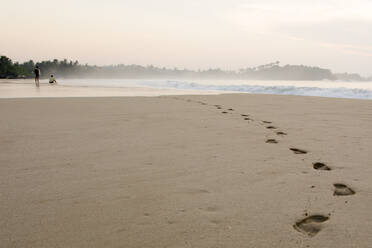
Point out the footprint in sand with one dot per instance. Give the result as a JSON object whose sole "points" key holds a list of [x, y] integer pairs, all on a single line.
{"points": [[321, 166], [230, 109], [196, 191], [298, 151], [310, 225], [216, 222], [272, 141], [244, 115], [267, 122], [342, 190], [247, 119], [281, 133], [271, 127], [209, 209], [224, 112]]}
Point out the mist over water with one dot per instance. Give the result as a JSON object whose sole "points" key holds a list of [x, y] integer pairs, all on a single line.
{"points": [[356, 90]]}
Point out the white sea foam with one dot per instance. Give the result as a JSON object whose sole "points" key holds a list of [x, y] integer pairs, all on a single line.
{"points": [[357, 90], [341, 92]]}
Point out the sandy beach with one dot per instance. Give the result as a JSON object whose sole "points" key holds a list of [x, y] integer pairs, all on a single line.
{"points": [[186, 171]]}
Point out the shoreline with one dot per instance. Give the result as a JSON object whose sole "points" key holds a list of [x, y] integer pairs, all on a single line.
{"points": [[10, 89], [13, 90]]}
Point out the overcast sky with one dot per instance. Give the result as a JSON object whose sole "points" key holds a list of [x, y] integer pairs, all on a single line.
{"points": [[230, 34]]}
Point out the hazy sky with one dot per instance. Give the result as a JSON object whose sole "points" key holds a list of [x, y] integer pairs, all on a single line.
{"points": [[229, 34]]}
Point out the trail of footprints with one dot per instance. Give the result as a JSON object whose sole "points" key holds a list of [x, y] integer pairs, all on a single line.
{"points": [[313, 224]]}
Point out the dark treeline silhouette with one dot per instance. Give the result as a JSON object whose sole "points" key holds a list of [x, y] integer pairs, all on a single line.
{"points": [[72, 69]]}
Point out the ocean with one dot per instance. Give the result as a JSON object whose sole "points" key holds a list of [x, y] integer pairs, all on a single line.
{"points": [[355, 90]]}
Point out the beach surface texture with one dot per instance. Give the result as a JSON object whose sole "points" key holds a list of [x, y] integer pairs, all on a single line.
{"points": [[234, 170]]}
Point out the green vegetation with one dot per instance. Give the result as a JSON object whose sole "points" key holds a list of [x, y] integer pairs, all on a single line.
{"points": [[72, 69], [8, 69]]}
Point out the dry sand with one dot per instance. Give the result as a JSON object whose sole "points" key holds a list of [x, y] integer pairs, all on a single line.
{"points": [[177, 172]]}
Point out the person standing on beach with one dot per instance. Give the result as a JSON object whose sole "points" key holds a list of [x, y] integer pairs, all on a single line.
{"points": [[37, 76]]}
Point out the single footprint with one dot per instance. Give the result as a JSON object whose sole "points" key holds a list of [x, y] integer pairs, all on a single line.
{"points": [[310, 225], [321, 166], [209, 209], [215, 221], [230, 109], [271, 127], [224, 112], [298, 151], [267, 122], [272, 141], [342, 190], [247, 119], [245, 115], [281, 133], [196, 191]]}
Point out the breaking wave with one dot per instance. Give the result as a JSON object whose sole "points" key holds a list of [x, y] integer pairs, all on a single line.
{"points": [[339, 92]]}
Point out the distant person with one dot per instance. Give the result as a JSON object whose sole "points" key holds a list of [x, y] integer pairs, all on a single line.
{"points": [[52, 79], [37, 76]]}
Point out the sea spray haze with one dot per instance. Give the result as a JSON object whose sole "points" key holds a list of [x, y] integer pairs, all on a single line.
{"points": [[72, 69]]}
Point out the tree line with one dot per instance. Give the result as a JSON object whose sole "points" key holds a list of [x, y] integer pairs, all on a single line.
{"points": [[72, 69]]}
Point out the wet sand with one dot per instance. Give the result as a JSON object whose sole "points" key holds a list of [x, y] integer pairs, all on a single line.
{"points": [[25, 88], [186, 171]]}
